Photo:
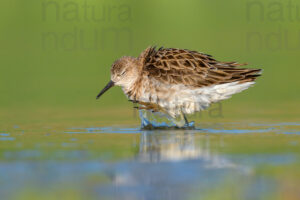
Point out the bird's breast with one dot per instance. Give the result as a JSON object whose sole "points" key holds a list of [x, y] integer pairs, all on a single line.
{"points": [[143, 90]]}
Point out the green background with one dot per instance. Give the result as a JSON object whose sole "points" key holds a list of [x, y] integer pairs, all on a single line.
{"points": [[56, 56]]}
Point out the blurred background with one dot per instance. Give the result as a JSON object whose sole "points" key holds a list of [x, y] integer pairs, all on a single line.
{"points": [[58, 142], [56, 55]]}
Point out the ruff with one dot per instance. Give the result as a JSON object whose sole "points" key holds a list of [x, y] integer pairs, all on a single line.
{"points": [[178, 81]]}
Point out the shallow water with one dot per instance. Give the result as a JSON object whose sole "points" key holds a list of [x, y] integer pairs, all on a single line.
{"points": [[217, 161]]}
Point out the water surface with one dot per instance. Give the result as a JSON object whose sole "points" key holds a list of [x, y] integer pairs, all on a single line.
{"points": [[214, 161]]}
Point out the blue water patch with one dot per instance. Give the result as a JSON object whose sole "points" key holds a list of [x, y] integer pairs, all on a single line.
{"points": [[7, 138], [237, 131], [269, 159], [103, 130], [4, 137], [292, 132], [24, 154]]}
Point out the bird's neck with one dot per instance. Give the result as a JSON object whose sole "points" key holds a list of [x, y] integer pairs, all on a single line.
{"points": [[131, 84]]}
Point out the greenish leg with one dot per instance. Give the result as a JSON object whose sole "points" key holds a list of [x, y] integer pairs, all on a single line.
{"points": [[181, 121], [185, 119]]}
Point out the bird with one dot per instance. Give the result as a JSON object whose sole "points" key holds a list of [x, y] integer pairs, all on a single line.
{"points": [[177, 82]]}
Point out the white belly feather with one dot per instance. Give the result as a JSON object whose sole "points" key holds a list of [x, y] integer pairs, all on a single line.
{"points": [[179, 98]]}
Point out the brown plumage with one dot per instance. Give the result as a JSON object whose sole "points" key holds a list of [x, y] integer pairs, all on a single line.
{"points": [[178, 81], [191, 68]]}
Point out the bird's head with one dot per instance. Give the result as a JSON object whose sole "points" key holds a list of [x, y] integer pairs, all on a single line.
{"points": [[124, 73]]}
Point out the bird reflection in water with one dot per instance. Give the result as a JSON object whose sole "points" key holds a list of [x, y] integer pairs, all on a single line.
{"points": [[179, 145], [173, 165]]}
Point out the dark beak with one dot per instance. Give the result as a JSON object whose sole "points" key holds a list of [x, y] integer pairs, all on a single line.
{"points": [[109, 85]]}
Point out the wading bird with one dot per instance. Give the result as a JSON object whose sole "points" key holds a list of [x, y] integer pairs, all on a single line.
{"points": [[177, 82]]}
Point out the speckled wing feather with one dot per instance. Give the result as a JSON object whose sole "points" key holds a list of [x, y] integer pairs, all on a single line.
{"points": [[191, 68]]}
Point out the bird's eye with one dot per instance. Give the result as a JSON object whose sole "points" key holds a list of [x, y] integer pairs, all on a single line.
{"points": [[123, 73]]}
